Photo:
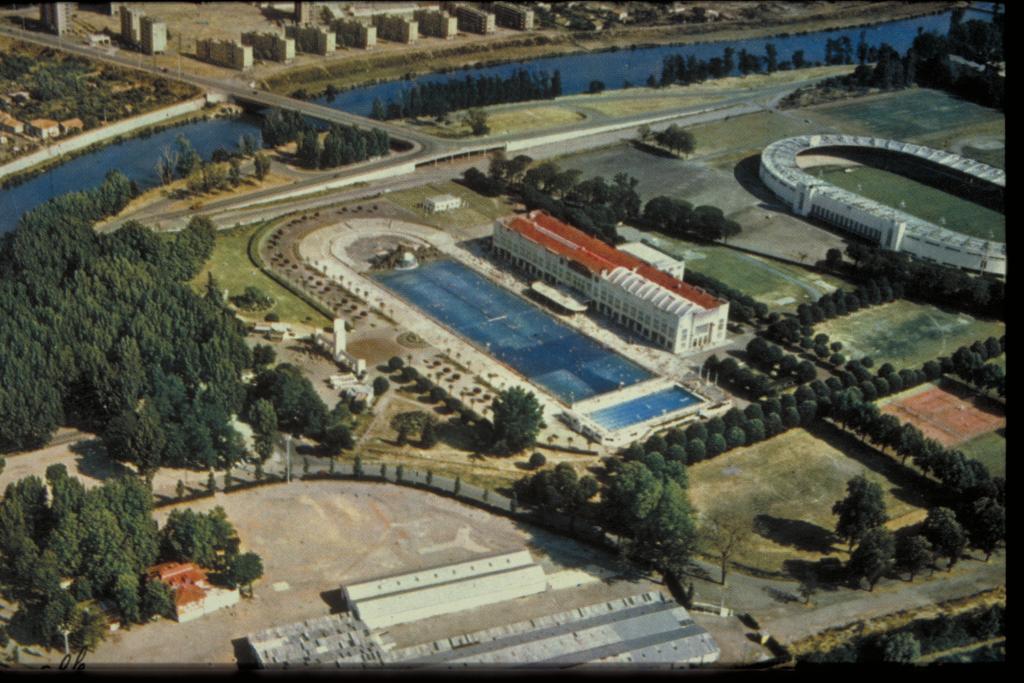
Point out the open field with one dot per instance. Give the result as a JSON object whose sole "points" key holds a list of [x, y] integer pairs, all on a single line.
{"points": [[950, 414], [316, 536], [734, 138], [906, 334], [989, 449], [903, 115], [476, 209], [929, 203], [503, 121], [234, 271], [773, 283], [787, 485]]}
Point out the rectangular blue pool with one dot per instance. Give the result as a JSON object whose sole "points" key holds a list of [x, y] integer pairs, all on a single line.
{"points": [[570, 365], [643, 408]]}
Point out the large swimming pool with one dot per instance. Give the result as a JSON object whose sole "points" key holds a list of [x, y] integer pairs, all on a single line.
{"points": [[570, 365], [643, 408]]}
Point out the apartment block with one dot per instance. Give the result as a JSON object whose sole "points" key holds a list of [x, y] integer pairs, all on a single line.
{"points": [[154, 36], [312, 39], [437, 24], [131, 25], [56, 16], [396, 29], [270, 46], [227, 53], [514, 16], [473, 20], [352, 33]]}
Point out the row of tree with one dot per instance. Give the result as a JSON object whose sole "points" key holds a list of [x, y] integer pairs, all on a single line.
{"points": [[770, 358], [690, 69], [679, 218], [742, 307], [438, 98]]}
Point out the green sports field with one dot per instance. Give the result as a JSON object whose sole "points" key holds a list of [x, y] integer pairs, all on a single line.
{"points": [[906, 334], [990, 450], [917, 199]]}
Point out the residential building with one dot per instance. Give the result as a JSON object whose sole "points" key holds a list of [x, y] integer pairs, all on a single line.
{"points": [[227, 53], [193, 594], [653, 304], [9, 124], [131, 25], [69, 126], [352, 33], [43, 128], [395, 28], [99, 40], [473, 20], [437, 24], [312, 39], [304, 13], [270, 46], [442, 202], [154, 36], [513, 16], [56, 16]]}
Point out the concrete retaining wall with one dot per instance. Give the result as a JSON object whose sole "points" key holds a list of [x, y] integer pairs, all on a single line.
{"points": [[111, 130]]}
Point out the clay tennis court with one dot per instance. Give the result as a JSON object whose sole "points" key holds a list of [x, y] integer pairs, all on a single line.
{"points": [[946, 417]]}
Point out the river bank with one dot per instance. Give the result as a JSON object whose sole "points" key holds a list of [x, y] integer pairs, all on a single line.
{"points": [[359, 71]]}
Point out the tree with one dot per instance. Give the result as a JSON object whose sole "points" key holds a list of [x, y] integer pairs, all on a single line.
{"points": [[428, 437], [476, 119], [946, 535], [724, 534], [986, 525], [380, 385], [261, 165], [157, 600], [518, 418], [244, 569], [873, 556], [900, 648], [863, 509], [126, 597], [913, 554], [263, 419], [537, 459]]}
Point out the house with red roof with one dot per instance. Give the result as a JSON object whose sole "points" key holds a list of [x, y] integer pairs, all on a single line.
{"points": [[193, 594], [651, 303]]}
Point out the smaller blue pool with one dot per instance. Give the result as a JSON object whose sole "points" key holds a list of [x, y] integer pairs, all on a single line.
{"points": [[643, 408]]}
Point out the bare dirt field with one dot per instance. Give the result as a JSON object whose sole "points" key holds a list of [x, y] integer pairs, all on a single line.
{"points": [[949, 416], [315, 536]]}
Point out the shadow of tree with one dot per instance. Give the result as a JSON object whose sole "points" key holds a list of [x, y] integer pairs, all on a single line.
{"points": [[795, 533], [93, 461]]}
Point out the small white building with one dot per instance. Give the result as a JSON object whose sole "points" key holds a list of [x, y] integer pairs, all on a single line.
{"points": [[659, 259], [442, 202], [99, 40]]}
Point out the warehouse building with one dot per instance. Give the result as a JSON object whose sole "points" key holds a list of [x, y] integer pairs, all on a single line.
{"points": [[655, 305], [334, 640], [442, 590]]}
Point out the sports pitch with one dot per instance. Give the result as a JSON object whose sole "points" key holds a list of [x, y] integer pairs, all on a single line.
{"points": [[917, 199], [988, 449], [787, 485], [906, 334], [948, 416]]}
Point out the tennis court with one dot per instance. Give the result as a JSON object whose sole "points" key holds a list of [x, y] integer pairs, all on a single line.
{"points": [[566, 363], [643, 408]]}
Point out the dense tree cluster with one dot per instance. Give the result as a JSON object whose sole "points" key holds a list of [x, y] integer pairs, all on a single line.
{"points": [[102, 330], [439, 98], [729, 372], [102, 540], [518, 418], [341, 146], [742, 307], [559, 489], [690, 69], [770, 358], [298, 408], [678, 218]]}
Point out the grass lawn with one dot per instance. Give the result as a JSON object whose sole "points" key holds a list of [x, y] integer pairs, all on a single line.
{"points": [[737, 137], [787, 485], [989, 449], [234, 271], [906, 334], [769, 282], [918, 199], [476, 208], [641, 103], [903, 115], [505, 120]]}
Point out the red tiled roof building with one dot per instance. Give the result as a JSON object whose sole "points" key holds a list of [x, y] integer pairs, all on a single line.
{"points": [[655, 305], [193, 594]]}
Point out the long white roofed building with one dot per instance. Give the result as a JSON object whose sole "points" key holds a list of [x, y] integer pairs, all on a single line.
{"points": [[659, 307]]}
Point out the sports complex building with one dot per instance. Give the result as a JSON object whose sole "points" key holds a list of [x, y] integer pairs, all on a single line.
{"points": [[659, 307], [891, 228]]}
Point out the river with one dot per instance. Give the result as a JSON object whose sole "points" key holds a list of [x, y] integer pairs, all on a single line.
{"points": [[136, 158]]}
